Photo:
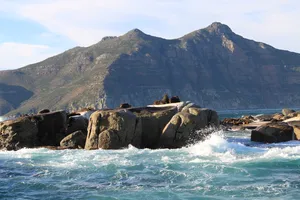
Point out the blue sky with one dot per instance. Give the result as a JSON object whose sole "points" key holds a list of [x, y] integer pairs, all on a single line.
{"points": [[32, 30]]}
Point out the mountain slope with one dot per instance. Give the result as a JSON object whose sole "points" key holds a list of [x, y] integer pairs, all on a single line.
{"points": [[213, 67]]}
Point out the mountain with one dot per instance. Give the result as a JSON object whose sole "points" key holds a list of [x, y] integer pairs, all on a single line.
{"points": [[213, 67]]}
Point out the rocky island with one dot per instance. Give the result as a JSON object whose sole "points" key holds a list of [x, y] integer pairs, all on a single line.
{"points": [[167, 125], [271, 128]]}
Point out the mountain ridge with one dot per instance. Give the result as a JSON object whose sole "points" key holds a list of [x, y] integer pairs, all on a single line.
{"points": [[212, 67]]}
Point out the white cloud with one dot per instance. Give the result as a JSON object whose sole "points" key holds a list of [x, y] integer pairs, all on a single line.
{"points": [[275, 22], [15, 55], [86, 22]]}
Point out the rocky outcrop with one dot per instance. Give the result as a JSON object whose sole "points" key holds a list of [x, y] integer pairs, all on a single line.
{"points": [[182, 128], [171, 125], [162, 126], [74, 140], [252, 122], [33, 131], [273, 133]]}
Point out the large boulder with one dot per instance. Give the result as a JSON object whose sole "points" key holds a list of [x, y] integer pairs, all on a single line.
{"points": [[74, 140], [15, 134], [182, 128], [46, 129], [153, 120], [112, 129], [273, 132]]}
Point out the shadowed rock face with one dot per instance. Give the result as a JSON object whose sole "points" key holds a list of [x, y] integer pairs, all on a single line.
{"points": [[153, 121], [213, 67], [46, 129], [273, 132]]}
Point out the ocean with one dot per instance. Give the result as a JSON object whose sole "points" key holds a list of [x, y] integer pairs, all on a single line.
{"points": [[227, 165]]}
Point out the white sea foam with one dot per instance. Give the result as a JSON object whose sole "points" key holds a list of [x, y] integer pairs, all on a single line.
{"points": [[217, 148], [2, 118]]}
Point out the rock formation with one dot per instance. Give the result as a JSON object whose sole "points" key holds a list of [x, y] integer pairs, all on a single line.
{"points": [[170, 125]]}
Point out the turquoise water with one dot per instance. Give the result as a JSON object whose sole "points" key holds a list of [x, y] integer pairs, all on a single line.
{"points": [[225, 166]]}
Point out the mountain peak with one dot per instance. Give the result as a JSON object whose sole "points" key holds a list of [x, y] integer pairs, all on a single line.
{"points": [[218, 28], [135, 33]]}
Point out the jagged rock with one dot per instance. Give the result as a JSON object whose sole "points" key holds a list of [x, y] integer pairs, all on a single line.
{"points": [[272, 133], [287, 111], [125, 105], [153, 121], [113, 129], [77, 123], [33, 131], [182, 128], [74, 140]]}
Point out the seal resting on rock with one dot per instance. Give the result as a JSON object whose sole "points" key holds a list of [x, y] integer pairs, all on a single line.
{"points": [[44, 111], [125, 105], [165, 99], [174, 99]]}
